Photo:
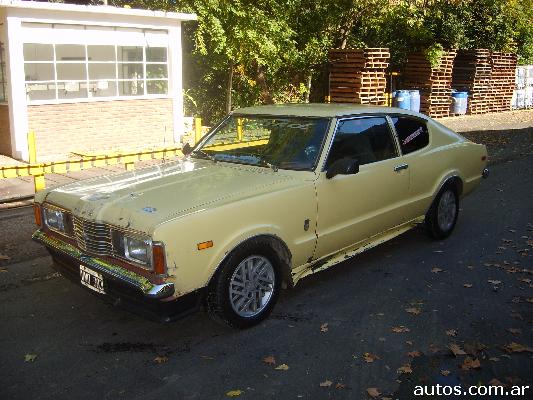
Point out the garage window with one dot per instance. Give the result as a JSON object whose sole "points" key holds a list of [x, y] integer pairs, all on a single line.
{"points": [[367, 140], [412, 133], [2, 74]]}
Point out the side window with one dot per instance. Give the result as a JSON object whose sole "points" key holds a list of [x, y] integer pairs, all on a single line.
{"points": [[367, 140], [412, 133]]}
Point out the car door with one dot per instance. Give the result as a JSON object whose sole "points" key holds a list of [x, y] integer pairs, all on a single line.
{"points": [[354, 207]]}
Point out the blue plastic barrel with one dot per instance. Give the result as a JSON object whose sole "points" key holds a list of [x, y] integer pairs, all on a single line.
{"points": [[459, 102], [415, 100], [403, 99]]}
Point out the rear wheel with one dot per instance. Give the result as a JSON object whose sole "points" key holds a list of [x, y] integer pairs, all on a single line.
{"points": [[246, 288], [442, 216]]}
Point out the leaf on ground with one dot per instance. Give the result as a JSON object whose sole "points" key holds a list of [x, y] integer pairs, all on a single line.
{"points": [[373, 392], [326, 383], [494, 281], [400, 329], [495, 359], [451, 332], [444, 372], [410, 343], [324, 327], [456, 350], [207, 357], [369, 357], [474, 348], [3, 257], [161, 359], [433, 348], [414, 354], [234, 393], [413, 310], [515, 331], [468, 285], [269, 360], [4, 270], [517, 348], [470, 363], [340, 386], [470, 267], [495, 382], [529, 299], [282, 367], [405, 369], [30, 357], [436, 270], [525, 280]]}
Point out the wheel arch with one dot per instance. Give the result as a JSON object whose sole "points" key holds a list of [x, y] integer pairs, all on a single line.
{"points": [[276, 244]]}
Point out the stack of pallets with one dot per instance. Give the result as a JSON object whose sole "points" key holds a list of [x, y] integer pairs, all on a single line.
{"points": [[434, 82], [358, 75], [487, 77]]}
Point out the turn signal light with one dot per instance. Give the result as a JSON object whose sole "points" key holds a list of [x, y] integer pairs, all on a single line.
{"points": [[37, 214], [205, 245], [158, 253]]}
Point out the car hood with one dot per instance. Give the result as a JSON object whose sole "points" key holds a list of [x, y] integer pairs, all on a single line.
{"points": [[142, 199]]}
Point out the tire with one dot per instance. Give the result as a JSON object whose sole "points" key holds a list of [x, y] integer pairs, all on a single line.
{"points": [[442, 215], [245, 289]]}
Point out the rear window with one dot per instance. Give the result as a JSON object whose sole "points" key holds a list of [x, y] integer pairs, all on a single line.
{"points": [[412, 133]]}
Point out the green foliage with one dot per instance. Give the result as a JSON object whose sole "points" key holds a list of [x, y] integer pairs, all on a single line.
{"points": [[434, 54], [271, 49]]}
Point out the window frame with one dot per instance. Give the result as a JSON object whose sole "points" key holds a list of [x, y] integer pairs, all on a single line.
{"points": [[418, 119], [392, 134], [116, 81]]}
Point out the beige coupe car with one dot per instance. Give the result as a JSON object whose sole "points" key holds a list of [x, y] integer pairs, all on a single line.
{"points": [[267, 197]]}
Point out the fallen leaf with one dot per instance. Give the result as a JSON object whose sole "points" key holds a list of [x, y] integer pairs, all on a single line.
{"points": [[494, 282], [468, 285], [207, 357], [400, 329], [525, 280], [436, 270], [369, 357], [326, 383], [409, 342], [324, 327], [161, 359], [470, 267], [340, 386], [517, 348], [512, 230], [495, 359], [405, 369], [529, 299], [30, 357], [382, 339], [470, 363], [456, 350], [4, 257], [474, 348], [413, 310], [515, 331], [495, 382], [414, 354], [234, 393], [434, 348], [3, 270], [451, 332], [373, 392], [445, 372], [269, 360], [282, 367]]}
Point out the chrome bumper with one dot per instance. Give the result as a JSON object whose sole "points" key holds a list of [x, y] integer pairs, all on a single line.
{"points": [[111, 271]]}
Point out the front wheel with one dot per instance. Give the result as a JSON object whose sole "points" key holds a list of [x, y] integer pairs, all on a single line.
{"points": [[442, 216], [246, 288]]}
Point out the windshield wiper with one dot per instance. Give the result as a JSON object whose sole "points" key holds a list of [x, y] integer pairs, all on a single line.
{"points": [[205, 154]]}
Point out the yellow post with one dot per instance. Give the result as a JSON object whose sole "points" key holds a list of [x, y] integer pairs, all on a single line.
{"points": [[129, 166], [240, 129], [327, 99], [38, 180], [197, 129]]}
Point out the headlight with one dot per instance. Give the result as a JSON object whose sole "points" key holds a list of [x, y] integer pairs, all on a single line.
{"points": [[57, 220], [133, 248]]}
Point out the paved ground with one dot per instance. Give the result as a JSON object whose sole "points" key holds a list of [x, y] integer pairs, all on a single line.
{"points": [[474, 290]]}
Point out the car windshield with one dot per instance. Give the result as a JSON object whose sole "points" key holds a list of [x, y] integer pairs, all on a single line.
{"points": [[277, 142]]}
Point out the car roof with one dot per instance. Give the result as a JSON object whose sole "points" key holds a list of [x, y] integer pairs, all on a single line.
{"points": [[322, 110]]}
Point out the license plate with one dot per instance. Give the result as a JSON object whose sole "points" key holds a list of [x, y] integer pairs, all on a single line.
{"points": [[92, 279]]}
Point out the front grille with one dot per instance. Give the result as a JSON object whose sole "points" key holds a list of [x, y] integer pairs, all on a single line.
{"points": [[93, 237]]}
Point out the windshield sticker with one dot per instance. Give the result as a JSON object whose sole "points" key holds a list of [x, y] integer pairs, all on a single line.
{"points": [[412, 136]]}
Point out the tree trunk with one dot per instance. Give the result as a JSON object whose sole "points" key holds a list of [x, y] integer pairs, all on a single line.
{"points": [[266, 96], [230, 87]]}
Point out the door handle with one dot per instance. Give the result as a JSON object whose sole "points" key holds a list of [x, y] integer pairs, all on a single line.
{"points": [[400, 167]]}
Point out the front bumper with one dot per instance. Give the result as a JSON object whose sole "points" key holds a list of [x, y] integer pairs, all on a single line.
{"points": [[122, 287]]}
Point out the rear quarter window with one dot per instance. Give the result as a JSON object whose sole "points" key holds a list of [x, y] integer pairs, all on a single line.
{"points": [[412, 133]]}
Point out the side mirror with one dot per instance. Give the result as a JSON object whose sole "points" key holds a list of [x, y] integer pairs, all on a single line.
{"points": [[344, 166], [187, 149]]}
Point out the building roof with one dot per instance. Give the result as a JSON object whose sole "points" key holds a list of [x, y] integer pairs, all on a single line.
{"points": [[109, 10]]}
